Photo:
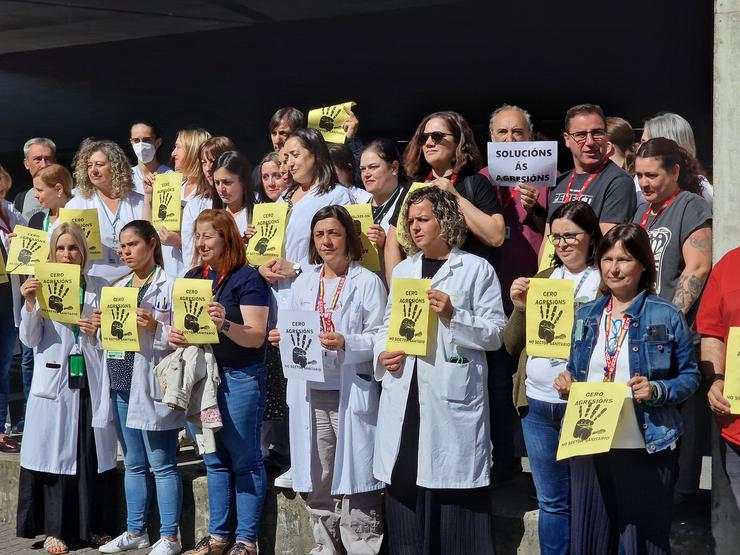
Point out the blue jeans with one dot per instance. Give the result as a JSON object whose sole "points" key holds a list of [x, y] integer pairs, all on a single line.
{"points": [[143, 449], [8, 337], [26, 369], [541, 426], [236, 468]]}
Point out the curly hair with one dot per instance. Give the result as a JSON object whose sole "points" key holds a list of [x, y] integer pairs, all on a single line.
{"points": [[120, 168], [453, 229], [467, 158], [670, 154]]}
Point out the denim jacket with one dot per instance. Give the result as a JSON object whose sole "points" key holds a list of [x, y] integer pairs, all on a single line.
{"points": [[660, 348]]}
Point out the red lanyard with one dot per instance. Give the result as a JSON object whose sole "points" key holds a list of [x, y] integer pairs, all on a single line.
{"points": [[591, 177], [327, 324], [501, 201], [453, 178], [666, 204], [610, 369], [218, 283]]}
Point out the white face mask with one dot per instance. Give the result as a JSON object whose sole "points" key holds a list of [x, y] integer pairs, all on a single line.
{"points": [[145, 152]]}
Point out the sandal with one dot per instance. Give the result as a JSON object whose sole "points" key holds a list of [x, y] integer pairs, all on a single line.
{"points": [[55, 546], [96, 540], [210, 546], [242, 548]]}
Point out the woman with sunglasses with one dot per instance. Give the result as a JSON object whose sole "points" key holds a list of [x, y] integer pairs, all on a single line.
{"points": [[575, 236], [443, 153], [333, 463]]}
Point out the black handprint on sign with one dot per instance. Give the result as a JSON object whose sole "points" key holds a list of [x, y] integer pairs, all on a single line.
{"points": [[164, 199], [267, 232], [584, 428], [411, 313], [57, 292], [328, 116], [120, 315], [29, 246], [550, 317], [301, 343], [193, 311]]}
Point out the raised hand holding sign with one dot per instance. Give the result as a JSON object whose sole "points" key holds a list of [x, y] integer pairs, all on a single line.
{"points": [[190, 298], [300, 348]]}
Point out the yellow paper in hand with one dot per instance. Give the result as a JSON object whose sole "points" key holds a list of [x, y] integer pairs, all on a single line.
{"points": [[87, 219], [590, 418], [3, 273], [549, 317], [118, 319], [190, 298], [408, 328], [401, 237], [362, 216], [28, 247], [329, 121], [547, 254], [166, 202], [732, 370], [269, 220], [59, 295]]}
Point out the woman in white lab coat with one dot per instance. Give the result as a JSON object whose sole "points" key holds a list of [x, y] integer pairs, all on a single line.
{"points": [[147, 428], [432, 445], [332, 423], [103, 177], [69, 444]]}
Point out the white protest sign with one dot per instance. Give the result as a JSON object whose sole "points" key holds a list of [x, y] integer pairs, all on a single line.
{"points": [[533, 163], [300, 349]]}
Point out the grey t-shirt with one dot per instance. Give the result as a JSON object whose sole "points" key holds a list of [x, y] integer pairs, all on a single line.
{"points": [[611, 194], [668, 232]]}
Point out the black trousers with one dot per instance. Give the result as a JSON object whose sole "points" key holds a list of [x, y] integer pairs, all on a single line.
{"points": [[622, 502]]}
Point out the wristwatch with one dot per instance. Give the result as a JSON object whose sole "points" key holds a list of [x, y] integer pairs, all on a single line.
{"points": [[297, 269], [226, 326], [653, 392], [717, 377]]}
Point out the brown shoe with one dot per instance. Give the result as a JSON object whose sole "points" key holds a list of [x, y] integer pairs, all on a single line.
{"points": [[210, 546], [8, 445], [241, 548]]}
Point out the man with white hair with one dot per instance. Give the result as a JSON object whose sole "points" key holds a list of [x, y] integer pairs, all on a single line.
{"points": [[38, 153]]}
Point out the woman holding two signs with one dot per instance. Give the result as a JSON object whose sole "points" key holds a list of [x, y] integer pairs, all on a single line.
{"points": [[622, 499], [239, 312], [575, 234], [332, 463], [147, 428], [68, 455], [432, 444]]}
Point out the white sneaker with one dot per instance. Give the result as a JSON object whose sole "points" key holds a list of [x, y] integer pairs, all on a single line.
{"points": [[165, 547], [124, 542], [285, 480]]}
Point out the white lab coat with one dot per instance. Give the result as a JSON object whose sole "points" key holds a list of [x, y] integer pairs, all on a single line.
{"points": [[16, 218], [363, 300], [52, 414], [454, 435], [110, 267], [146, 411]]}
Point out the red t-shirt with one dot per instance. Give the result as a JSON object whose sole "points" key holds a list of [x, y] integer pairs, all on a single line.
{"points": [[718, 312]]}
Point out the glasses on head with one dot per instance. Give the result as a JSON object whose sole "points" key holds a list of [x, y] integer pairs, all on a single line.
{"points": [[565, 238], [597, 135], [437, 137]]}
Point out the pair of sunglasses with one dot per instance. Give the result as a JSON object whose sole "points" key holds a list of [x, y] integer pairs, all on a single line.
{"points": [[436, 136]]}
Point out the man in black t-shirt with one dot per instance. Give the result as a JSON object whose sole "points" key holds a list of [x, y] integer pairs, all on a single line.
{"points": [[594, 179]]}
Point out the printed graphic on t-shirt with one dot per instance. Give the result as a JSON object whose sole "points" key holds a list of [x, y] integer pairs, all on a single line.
{"points": [[659, 239], [559, 198]]}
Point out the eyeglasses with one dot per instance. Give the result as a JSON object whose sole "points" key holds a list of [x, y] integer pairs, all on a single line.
{"points": [[580, 137], [566, 238], [436, 136]]}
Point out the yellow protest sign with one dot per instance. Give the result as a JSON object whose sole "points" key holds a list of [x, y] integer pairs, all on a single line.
{"points": [[549, 317], [731, 391], [87, 219], [166, 203], [408, 328], [329, 121], [362, 216], [118, 319], [59, 295], [590, 418], [400, 233], [547, 254], [28, 247], [269, 220], [190, 298], [3, 273]]}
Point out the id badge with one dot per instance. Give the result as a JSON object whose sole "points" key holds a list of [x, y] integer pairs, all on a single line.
{"points": [[76, 371], [116, 355]]}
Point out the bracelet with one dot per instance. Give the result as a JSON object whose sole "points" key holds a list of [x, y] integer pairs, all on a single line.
{"points": [[717, 378], [653, 392]]}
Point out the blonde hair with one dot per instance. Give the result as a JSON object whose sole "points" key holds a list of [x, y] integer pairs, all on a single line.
{"points": [[56, 174], [120, 168], [191, 140], [69, 228], [452, 227]]}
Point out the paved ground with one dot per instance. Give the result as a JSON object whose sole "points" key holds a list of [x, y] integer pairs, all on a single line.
{"points": [[13, 545]]}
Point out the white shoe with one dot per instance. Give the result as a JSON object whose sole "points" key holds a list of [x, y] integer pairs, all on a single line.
{"points": [[285, 480], [165, 547], [124, 542]]}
